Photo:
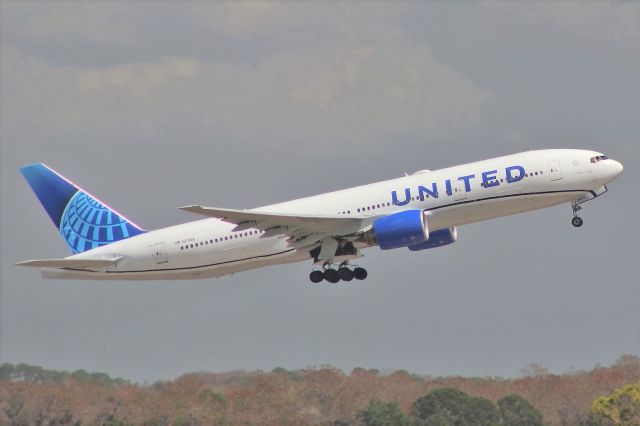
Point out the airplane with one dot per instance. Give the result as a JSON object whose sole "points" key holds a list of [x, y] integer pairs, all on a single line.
{"points": [[417, 212]]}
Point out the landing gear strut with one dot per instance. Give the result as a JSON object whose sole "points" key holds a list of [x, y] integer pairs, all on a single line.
{"points": [[575, 207], [342, 273]]}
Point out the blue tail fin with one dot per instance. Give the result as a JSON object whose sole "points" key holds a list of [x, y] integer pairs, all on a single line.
{"points": [[83, 221]]}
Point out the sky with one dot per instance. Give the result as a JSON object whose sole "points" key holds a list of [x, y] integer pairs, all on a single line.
{"points": [[156, 105]]}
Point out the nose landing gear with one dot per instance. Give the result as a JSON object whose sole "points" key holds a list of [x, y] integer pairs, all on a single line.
{"points": [[342, 273], [575, 207]]}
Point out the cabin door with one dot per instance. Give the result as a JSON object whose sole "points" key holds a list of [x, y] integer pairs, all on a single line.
{"points": [[159, 253], [459, 190], [555, 173]]}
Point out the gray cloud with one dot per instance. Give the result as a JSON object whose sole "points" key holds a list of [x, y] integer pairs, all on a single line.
{"points": [[328, 93]]}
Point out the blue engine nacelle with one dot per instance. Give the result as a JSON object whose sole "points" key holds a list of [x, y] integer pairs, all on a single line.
{"points": [[403, 229], [439, 238]]}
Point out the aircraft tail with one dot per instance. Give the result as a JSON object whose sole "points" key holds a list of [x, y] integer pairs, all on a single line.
{"points": [[84, 221]]}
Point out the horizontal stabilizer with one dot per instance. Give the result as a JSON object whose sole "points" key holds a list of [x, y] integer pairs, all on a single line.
{"points": [[70, 263]]}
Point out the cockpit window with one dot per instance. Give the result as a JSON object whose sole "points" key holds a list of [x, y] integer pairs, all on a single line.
{"points": [[599, 158]]}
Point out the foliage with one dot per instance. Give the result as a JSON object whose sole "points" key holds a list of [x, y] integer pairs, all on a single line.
{"points": [[450, 400], [379, 413], [34, 374], [480, 412], [622, 407], [442, 418], [517, 411], [211, 396], [452, 406]]}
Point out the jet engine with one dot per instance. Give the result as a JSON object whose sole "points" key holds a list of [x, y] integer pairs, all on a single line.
{"points": [[439, 238], [402, 229]]}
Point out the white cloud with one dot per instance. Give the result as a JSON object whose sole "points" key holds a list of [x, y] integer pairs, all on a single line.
{"points": [[332, 94], [139, 79]]}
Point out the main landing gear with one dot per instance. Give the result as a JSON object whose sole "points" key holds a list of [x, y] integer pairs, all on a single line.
{"points": [[575, 207], [344, 272]]}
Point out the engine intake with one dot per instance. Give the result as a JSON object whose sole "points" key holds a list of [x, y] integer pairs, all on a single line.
{"points": [[403, 229]]}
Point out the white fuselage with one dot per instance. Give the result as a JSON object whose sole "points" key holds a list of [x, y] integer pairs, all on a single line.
{"points": [[452, 196]]}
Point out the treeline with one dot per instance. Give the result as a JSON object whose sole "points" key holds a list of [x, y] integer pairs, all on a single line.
{"points": [[323, 396], [34, 374]]}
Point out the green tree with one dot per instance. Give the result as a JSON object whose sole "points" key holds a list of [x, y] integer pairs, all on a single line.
{"points": [[82, 376], [516, 411], [380, 413], [622, 407], [452, 406], [481, 412], [449, 400], [6, 371], [442, 418]]}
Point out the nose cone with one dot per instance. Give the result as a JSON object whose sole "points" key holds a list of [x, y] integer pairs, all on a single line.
{"points": [[617, 168], [611, 170]]}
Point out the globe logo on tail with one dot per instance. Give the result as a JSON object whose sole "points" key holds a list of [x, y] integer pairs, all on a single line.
{"points": [[86, 224]]}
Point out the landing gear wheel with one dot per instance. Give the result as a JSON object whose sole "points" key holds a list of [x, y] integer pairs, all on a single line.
{"points": [[316, 276], [345, 274], [577, 221], [331, 275], [359, 273]]}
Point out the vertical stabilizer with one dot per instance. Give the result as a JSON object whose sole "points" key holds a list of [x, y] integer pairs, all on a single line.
{"points": [[84, 221]]}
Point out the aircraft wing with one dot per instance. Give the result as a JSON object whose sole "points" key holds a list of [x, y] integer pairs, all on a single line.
{"points": [[295, 225], [70, 263]]}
